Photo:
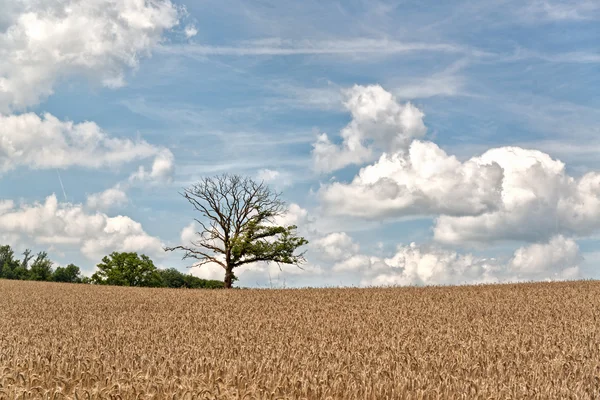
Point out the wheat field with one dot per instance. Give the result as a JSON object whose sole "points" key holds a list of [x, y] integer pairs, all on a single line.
{"points": [[533, 340]]}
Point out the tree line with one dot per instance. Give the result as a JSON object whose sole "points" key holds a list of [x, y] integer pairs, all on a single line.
{"points": [[118, 269]]}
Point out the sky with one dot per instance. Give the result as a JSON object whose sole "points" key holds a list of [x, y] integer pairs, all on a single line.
{"points": [[415, 142]]}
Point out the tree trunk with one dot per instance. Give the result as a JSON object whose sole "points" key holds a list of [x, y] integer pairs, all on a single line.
{"points": [[228, 279]]}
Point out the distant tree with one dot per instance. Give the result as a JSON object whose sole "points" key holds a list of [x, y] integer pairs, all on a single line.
{"points": [[71, 274], [27, 256], [125, 269], [41, 268], [193, 282], [239, 225], [20, 269], [172, 278], [8, 263]]}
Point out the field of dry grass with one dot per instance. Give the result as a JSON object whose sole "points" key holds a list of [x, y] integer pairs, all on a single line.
{"points": [[511, 341]]}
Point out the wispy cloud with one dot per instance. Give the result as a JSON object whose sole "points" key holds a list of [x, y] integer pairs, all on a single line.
{"points": [[552, 117], [326, 97], [350, 47], [572, 57], [450, 81], [562, 10]]}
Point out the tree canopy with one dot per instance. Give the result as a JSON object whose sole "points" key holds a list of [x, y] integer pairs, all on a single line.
{"points": [[239, 225], [125, 269]]}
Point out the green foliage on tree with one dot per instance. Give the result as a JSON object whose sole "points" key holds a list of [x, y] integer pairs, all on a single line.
{"points": [[69, 274], [8, 263], [172, 278], [126, 269], [41, 268], [239, 226], [11, 268]]}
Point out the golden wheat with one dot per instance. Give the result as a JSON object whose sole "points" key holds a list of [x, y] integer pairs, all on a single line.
{"points": [[507, 341]]}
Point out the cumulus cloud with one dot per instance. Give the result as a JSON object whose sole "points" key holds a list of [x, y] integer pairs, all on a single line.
{"points": [[294, 215], [268, 175], [558, 258], [162, 169], [335, 246], [190, 31], [107, 199], [188, 234], [208, 271], [538, 200], [274, 177], [28, 140], [379, 123], [69, 225], [44, 41], [341, 253], [427, 265], [425, 180], [507, 193]]}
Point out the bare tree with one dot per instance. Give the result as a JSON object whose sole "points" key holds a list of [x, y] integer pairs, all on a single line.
{"points": [[239, 225]]}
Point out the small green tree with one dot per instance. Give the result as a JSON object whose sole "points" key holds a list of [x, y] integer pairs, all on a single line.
{"points": [[8, 263], [70, 274], [193, 282], [125, 269], [41, 268], [239, 226], [172, 278]]}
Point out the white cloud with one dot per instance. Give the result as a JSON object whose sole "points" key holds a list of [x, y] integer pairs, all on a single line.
{"points": [[294, 215], [560, 258], [209, 271], [44, 41], [190, 31], [335, 246], [426, 265], [67, 225], [28, 140], [162, 169], [271, 275], [356, 262], [507, 193], [538, 200], [278, 179], [188, 234], [379, 122], [425, 180], [107, 199], [268, 175], [6, 205]]}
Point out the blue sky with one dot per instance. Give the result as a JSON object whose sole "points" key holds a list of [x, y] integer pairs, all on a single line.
{"points": [[202, 88]]}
